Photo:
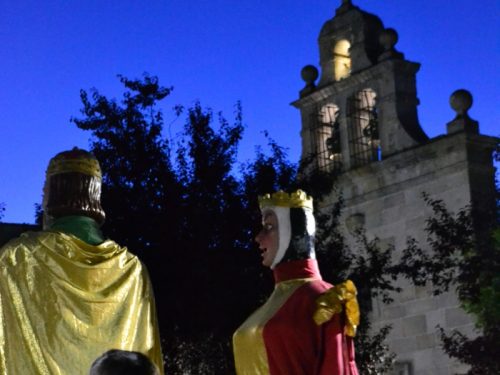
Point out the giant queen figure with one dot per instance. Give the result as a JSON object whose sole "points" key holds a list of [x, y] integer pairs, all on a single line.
{"points": [[306, 327]]}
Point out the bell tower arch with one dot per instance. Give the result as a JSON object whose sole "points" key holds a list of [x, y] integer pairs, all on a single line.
{"points": [[372, 87]]}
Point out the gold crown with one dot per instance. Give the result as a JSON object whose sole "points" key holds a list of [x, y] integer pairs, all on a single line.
{"points": [[74, 161], [297, 199]]}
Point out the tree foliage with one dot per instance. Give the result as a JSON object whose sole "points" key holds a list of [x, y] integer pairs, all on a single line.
{"points": [[182, 209], [138, 175], [189, 210]]}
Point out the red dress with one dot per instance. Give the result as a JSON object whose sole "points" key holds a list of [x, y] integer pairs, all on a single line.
{"points": [[282, 338]]}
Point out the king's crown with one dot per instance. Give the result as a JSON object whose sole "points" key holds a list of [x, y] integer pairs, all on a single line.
{"points": [[75, 160], [297, 199]]}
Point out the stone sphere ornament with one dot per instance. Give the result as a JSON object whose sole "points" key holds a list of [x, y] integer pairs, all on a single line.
{"points": [[461, 101], [309, 74], [388, 38]]}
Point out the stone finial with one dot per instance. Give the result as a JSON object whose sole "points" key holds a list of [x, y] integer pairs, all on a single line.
{"points": [[461, 102], [344, 7], [388, 39], [309, 74]]}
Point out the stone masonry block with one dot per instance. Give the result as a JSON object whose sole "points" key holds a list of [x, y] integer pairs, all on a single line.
{"points": [[404, 345], [455, 317], [419, 306], [402, 367], [429, 369], [435, 318], [388, 231], [413, 194], [414, 325], [393, 200], [470, 330], [396, 331], [448, 299], [430, 362], [426, 341], [390, 215], [416, 223], [394, 312], [407, 294], [423, 292]]}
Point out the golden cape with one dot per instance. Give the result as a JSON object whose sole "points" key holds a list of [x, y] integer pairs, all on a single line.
{"points": [[63, 303]]}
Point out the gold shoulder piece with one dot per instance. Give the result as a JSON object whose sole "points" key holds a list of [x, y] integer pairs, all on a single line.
{"points": [[339, 298]]}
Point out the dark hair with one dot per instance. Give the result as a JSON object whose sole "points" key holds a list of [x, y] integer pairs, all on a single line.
{"points": [[302, 243], [123, 362], [74, 194]]}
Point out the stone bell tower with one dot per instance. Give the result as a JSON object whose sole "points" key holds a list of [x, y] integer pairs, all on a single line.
{"points": [[360, 119], [364, 82]]}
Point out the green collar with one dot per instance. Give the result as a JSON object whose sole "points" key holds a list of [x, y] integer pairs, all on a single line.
{"points": [[82, 227]]}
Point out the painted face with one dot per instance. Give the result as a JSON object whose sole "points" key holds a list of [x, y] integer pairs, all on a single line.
{"points": [[268, 237]]}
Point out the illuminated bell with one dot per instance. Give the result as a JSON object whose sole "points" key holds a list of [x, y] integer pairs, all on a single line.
{"points": [[333, 145]]}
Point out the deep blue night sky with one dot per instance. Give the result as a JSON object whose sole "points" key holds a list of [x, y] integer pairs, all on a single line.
{"points": [[218, 52]]}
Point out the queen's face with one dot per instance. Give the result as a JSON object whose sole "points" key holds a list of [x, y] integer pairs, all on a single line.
{"points": [[268, 237]]}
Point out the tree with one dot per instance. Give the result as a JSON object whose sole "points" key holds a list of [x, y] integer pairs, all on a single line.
{"points": [[189, 210], [464, 257], [180, 208], [138, 175]]}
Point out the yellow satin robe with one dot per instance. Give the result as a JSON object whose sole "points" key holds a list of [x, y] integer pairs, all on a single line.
{"points": [[64, 302]]}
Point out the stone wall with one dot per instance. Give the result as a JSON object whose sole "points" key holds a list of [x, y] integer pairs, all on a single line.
{"points": [[386, 197]]}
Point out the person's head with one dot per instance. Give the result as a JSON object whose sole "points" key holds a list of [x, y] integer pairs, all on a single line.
{"points": [[73, 186], [288, 228], [123, 362]]}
